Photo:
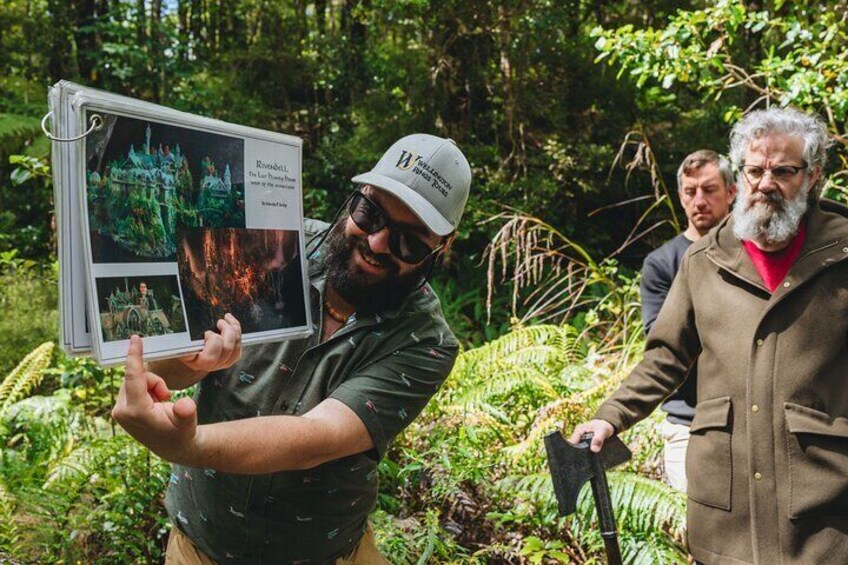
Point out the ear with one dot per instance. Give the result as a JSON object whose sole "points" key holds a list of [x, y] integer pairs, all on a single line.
{"points": [[814, 177], [731, 193]]}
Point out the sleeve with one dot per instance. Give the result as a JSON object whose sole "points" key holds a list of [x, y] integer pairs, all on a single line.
{"points": [[656, 282], [672, 347], [389, 393]]}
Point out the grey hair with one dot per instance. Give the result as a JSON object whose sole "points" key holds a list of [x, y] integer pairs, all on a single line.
{"points": [[698, 159], [787, 121]]}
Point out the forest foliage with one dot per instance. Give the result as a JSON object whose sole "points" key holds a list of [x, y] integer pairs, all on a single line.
{"points": [[574, 116]]}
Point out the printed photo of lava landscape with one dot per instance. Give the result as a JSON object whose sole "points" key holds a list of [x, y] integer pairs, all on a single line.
{"points": [[253, 274]]}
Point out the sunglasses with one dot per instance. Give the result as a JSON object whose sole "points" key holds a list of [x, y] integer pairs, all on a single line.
{"points": [[403, 243], [755, 173]]}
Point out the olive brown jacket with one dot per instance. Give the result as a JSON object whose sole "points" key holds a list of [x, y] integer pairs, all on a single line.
{"points": [[768, 454]]}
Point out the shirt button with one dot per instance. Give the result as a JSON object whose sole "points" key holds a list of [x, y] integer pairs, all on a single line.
{"points": [[755, 408], [845, 250], [760, 342], [284, 406], [786, 284], [758, 476]]}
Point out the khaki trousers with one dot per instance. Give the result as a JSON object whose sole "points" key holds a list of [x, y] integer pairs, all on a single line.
{"points": [[181, 551], [676, 441]]}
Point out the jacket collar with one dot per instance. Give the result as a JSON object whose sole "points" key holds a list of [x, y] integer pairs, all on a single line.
{"points": [[826, 243]]}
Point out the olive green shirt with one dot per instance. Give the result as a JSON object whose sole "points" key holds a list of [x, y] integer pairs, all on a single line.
{"points": [[385, 367]]}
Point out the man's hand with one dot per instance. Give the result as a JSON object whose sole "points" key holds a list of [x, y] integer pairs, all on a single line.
{"points": [[601, 430], [169, 429], [220, 350]]}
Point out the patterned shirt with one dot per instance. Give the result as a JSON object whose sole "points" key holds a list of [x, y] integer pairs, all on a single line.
{"points": [[385, 367]]}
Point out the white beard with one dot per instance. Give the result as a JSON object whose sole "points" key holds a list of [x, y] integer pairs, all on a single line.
{"points": [[771, 219]]}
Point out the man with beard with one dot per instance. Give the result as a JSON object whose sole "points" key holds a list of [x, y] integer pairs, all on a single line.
{"points": [[761, 303], [706, 189], [275, 459]]}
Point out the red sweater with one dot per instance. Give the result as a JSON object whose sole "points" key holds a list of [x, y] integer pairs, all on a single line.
{"points": [[774, 265]]}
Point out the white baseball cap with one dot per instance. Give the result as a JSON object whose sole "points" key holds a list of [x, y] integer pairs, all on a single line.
{"points": [[427, 173]]}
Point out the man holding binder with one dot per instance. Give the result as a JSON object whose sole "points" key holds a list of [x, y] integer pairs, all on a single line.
{"points": [[275, 458]]}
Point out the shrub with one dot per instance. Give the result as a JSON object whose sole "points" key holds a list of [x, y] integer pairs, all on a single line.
{"points": [[29, 302]]}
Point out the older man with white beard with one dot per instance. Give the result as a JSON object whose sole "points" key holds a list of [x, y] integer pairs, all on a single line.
{"points": [[761, 305]]}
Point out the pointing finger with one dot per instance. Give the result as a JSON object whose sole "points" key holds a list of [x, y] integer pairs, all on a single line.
{"points": [[135, 358], [135, 384]]}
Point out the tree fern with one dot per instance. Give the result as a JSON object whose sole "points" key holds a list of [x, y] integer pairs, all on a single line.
{"points": [[25, 377]]}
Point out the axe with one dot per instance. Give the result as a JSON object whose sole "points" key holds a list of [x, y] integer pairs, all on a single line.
{"points": [[572, 465]]}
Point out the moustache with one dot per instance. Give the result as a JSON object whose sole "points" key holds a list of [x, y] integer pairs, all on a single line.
{"points": [[383, 259], [766, 198]]}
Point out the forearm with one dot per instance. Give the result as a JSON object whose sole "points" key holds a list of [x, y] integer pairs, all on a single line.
{"points": [[176, 374], [659, 375], [256, 446], [268, 444]]}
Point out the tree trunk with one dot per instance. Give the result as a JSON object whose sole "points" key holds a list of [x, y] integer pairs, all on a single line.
{"points": [[157, 38], [182, 29], [321, 16], [62, 63], [86, 40]]}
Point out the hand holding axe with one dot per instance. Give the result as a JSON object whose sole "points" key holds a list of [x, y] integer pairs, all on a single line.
{"points": [[572, 465]]}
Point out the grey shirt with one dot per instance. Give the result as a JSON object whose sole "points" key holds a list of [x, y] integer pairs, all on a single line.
{"points": [[658, 272]]}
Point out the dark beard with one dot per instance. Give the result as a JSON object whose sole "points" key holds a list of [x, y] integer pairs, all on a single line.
{"points": [[367, 294]]}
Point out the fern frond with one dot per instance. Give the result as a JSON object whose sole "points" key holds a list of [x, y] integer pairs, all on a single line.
{"points": [[26, 376], [9, 536], [555, 342], [650, 516], [563, 413], [84, 460], [503, 383], [14, 129]]}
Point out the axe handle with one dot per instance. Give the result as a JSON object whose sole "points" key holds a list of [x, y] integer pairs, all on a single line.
{"points": [[611, 545], [603, 504]]}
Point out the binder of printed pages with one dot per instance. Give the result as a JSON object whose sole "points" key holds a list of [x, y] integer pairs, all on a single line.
{"points": [[169, 220]]}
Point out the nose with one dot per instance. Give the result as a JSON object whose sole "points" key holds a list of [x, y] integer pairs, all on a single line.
{"points": [[767, 182], [700, 199], [379, 241]]}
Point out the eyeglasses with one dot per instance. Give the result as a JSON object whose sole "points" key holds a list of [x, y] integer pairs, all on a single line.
{"points": [[370, 218], [755, 173]]}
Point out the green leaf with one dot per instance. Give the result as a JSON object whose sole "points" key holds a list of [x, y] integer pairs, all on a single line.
{"points": [[20, 176]]}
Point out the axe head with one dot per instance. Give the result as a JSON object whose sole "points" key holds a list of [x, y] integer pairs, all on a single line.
{"points": [[571, 465]]}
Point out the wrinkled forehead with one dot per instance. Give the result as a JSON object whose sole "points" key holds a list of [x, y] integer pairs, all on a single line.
{"points": [[777, 147]]}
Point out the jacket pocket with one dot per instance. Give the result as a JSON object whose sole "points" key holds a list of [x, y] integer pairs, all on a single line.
{"points": [[708, 461], [817, 446]]}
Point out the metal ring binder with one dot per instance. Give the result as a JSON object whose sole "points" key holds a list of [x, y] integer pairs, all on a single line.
{"points": [[96, 124]]}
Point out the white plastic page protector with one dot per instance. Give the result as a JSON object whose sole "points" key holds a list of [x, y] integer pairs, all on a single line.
{"points": [[184, 219]]}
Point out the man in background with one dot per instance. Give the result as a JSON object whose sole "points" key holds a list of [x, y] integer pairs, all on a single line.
{"points": [[706, 190], [761, 304]]}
